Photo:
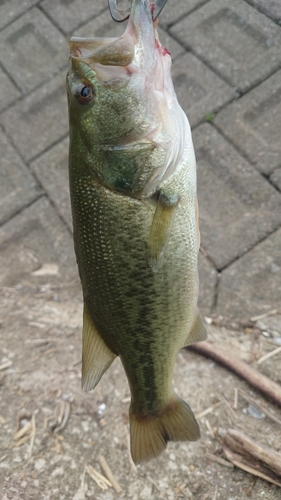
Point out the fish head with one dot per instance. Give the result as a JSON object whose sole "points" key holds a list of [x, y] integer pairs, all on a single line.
{"points": [[121, 98], [120, 90]]}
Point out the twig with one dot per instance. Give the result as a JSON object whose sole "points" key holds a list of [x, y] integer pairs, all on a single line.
{"points": [[253, 455], [33, 433], [219, 460], [208, 425], [269, 355], [132, 464], [235, 405], [265, 315], [251, 375], [208, 410], [229, 407], [6, 365], [99, 479], [233, 457], [152, 482], [254, 403], [23, 431], [108, 472], [64, 416]]}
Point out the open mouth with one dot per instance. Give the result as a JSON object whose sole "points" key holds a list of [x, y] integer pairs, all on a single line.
{"points": [[105, 51]]}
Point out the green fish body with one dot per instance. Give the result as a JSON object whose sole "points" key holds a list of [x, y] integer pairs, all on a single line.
{"points": [[133, 192]]}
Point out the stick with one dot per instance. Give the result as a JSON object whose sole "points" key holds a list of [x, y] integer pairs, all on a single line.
{"points": [[207, 411], [6, 365], [234, 458], [244, 445], [269, 313], [251, 375], [99, 479], [219, 460], [269, 355], [33, 433], [106, 469]]}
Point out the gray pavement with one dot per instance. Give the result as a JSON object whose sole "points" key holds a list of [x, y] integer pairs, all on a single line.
{"points": [[226, 61], [227, 75]]}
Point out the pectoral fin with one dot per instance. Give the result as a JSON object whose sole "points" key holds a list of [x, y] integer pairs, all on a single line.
{"points": [[96, 356], [161, 225], [198, 331]]}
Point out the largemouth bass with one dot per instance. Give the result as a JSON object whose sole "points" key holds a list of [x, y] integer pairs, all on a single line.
{"points": [[133, 192]]}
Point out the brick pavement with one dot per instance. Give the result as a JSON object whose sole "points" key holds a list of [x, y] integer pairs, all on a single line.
{"points": [[227, 60]]}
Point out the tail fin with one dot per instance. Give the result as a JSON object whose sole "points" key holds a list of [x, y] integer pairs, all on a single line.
{"points": [[150, 434]]}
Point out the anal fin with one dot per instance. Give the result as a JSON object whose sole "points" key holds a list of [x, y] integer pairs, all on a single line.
{"points": [[161, 225], [96, 356], [198, 332]]}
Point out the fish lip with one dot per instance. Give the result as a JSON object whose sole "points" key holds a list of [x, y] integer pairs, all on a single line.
{"points": [[140, 33]]}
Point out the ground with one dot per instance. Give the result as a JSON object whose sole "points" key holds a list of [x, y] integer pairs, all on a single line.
{"points": [[227, 74]]}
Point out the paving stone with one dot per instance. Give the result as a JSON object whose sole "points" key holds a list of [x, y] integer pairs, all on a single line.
{"points": [[241, 44], [276, 178], [272, 8], [252, 284], [34, 238], [237, 206], [8, 91], [32, 49], [17, 186], [176, 9], [68, 14], [253, 123], [199, 90], [40, 119], [207, 285], [10, 9], [103, 26], [51, 169]]}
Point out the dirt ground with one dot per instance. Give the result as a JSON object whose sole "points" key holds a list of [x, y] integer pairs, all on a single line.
{"points": [[40, 360]]}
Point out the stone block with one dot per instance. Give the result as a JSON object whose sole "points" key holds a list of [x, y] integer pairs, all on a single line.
{"points": [[17, 185], [199, 90], [175, 10], [51, 169], [103, 26], [8, 91], [252, 285], [253, 123], [40, 119], [241, 44], [271, 8], [36, 240], [32, 50], [207, 285], [237, 206], [276, 178], [71, 13], [10, 9]]}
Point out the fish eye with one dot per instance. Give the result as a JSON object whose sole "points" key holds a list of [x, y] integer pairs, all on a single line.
{"points": [[84, 93]]}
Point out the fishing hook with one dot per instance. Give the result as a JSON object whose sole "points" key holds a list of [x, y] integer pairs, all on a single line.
{"points": [[119, 15]]}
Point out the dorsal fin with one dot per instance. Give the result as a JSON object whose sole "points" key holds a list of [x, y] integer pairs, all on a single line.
{"points": [[197, 332], [96, 356]]}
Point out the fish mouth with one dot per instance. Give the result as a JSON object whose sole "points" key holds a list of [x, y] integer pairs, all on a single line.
{"points": [[137, 49]]}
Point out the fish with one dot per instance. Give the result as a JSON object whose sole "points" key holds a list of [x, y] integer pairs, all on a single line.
{"points": [[132, 174]]}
